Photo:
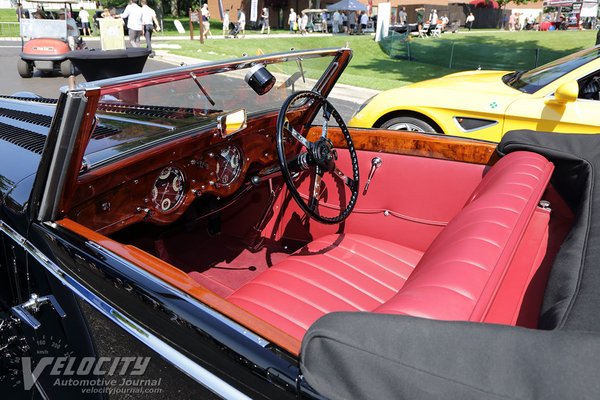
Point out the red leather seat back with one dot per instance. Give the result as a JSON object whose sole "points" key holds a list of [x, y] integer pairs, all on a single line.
{"points": [[461, 272]]}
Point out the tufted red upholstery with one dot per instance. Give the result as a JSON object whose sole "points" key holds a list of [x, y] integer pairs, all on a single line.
{"points": [[458, 277], [337, 272]]}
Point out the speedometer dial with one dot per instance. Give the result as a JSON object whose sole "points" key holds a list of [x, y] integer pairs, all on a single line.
{"points": [[229, 165], [168, 190]]}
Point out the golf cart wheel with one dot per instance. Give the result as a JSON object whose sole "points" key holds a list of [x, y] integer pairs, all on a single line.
{"points": [[25, 68], [66, 68]]}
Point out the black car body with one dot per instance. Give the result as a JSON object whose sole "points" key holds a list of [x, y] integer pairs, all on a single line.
{"points": [[158, 198]]}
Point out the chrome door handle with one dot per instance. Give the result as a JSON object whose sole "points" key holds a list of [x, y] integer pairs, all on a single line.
{"points": [[24, 311], [375, 163]]}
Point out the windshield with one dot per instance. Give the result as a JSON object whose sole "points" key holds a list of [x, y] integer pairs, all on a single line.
{"points": [[133, 116], [535, 79]]}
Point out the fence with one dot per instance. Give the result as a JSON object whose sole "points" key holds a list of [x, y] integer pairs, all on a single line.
{"points": [[9, 29], [464, 56]]}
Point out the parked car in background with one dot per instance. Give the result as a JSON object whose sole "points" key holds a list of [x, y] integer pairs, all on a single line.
{"points": [[561, 96], [224, 215]]}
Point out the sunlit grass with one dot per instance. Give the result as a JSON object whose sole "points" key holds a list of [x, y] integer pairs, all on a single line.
{"points": [[372, 68]]}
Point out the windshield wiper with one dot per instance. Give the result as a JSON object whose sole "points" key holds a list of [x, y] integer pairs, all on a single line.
{"points": [[511, 78], [195, 78]]}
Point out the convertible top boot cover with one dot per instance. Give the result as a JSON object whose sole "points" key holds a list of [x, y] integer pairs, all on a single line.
{"points": [[572, 296], [376, 356]]}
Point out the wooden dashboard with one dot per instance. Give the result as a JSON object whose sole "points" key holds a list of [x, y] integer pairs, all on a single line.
{"points": [[159, 184]]}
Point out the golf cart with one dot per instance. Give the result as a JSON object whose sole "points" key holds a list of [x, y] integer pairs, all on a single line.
{"points": [[314, 19], [44, 41]]}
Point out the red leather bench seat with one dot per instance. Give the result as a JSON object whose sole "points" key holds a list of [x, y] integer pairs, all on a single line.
{"points": [[460, 276], [336, 272]]}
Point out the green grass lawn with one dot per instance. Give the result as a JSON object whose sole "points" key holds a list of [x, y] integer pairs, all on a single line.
{"points": [[8, 15], [372, 68]]}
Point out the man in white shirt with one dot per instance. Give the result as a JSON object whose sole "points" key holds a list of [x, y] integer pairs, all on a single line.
{"points": [[336, 21], [150, 24], [84, 17], [292, 20], [364, 20], [133, 13]]}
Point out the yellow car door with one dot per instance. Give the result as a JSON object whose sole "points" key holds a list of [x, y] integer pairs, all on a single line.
{"points": [[549, 115]]}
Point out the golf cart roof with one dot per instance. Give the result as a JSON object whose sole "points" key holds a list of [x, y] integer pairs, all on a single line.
{"points": [[314, 10], [54, 1]]}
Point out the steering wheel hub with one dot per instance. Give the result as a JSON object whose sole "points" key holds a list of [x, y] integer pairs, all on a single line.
{"points": [[324, 154]]}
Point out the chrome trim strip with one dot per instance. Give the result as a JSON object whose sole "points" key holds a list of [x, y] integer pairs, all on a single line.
{"points": [[102, 116], [212, 67], [183, 363], [176, 292]]}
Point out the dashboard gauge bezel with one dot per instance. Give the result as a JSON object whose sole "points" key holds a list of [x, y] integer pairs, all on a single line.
{"points": [[169, 174], [223, 161]]}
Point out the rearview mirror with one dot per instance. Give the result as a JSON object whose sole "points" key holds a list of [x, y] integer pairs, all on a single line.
{"points": [[567, 92], [232, 122]]}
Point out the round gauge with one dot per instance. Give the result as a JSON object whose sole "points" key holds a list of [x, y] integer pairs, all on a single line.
{"points": [[168, 190], [229, 165]]}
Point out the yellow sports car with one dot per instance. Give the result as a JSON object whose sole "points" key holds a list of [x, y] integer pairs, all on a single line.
{"points": [[561, 96]]}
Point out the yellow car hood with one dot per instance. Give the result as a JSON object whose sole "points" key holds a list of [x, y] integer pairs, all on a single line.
{"points": [[469, 81]]}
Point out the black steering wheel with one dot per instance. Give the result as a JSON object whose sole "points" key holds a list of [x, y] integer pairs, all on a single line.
{"points": [[318, 157]]}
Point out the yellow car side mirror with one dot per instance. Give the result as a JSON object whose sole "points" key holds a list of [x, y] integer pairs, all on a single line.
{"points": [[566, 93]]}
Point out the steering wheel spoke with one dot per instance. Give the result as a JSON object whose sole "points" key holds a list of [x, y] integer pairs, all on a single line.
{"points": [[345, 179], [295, 134], [319, 156]]}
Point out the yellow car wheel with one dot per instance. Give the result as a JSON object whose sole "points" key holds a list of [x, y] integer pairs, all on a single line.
{"points": [[407, 124]]}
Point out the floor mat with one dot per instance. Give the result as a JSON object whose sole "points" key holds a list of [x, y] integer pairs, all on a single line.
{"points": [[221, 263]]}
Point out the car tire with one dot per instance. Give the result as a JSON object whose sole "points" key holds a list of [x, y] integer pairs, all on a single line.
{"points": [[25, 68], [66, 68], [407, 124]]}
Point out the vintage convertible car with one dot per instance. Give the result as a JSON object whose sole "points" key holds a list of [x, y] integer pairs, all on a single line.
{"points": [[225, 216]]}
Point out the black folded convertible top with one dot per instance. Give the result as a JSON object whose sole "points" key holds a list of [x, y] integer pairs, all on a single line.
{"points": [[371, 356]]}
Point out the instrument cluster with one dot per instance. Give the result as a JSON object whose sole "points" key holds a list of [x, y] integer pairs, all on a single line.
{"points": [[161, 187], [215, 171]]}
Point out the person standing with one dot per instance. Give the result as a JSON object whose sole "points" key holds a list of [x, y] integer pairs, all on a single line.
{"points": [[292, 20], [20, 12], [265, 21], [364, 20], [226, 23], [150, 24], [241, 22], [351, 23], [84, 17], [402, 16], [303, 21], [133, 13], [205, 21], [470, 20], [336, 21], [324, 22], [434, 17]]}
